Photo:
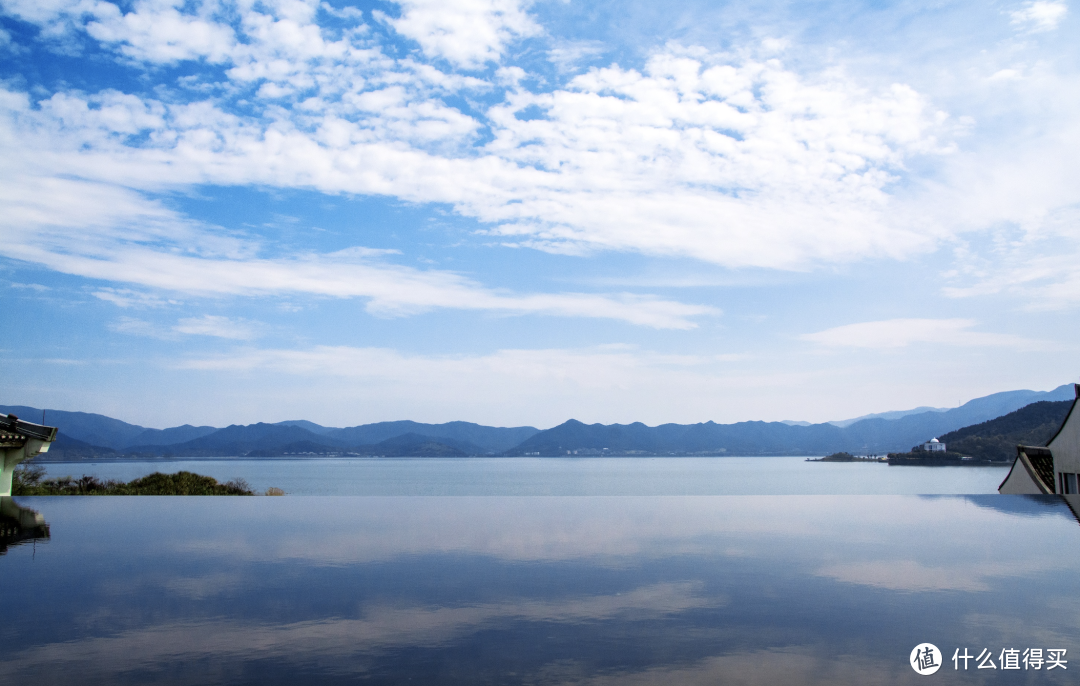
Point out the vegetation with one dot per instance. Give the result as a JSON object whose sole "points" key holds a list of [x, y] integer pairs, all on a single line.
{"points": [[839, 457], [847, 457], [997, 439], [937, 457], [29, 479]]}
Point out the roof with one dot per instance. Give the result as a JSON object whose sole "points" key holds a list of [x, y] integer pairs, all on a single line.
{"points": [[1042, 462], [17, 431], [1038, 463], [1072, 408]]}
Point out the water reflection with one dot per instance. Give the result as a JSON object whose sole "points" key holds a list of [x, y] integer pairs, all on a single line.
{"points": [[19, 524], [618, 590]]}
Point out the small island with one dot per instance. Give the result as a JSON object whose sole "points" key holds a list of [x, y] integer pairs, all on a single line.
{"points": [[847, 457], [940, 459]]}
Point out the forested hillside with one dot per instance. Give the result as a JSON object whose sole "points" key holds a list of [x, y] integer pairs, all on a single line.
{"points": [[997, 439]]}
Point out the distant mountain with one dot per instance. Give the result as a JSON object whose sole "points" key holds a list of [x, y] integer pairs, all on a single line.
{"points": [[66, 448], [104, 436], [95, 429], [418, 445], [177, 434], [310, 426], [488, 438], [866, 436], [744, 438], [106, 432], [237, 441], [977, 410], [85, 435], [997, 439], [276, 440], [894, 414]]}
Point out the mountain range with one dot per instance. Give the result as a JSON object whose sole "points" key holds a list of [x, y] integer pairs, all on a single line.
{"points": [[85, 435], [996, 439]]}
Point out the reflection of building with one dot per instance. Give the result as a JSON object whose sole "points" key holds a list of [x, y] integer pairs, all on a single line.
{"points": [[1051, 468], [934, 446], [18, 524], [20, 441]]}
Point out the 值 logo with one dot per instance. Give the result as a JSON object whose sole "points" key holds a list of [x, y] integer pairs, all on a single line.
{"points": [[925, 659]]}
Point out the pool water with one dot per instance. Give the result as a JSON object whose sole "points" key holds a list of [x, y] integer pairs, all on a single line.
{"points": [[538, 589]]}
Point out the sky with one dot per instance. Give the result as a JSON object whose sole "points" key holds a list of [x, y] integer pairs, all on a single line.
{"points": [[517, 213]]}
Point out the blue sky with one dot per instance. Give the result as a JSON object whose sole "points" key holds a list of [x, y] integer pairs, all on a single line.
{"points": [[519, 212]]}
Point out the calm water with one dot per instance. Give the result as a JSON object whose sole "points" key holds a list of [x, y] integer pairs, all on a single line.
{"points": [[592, 590], [564, 476]]}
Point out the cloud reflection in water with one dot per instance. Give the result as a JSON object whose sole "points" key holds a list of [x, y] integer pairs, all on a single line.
{"points": [[634, 590]]}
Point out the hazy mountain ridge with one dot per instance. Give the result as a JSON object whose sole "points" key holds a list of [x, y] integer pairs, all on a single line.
{"points": [[996, 404], [866, 436], [87, 427], [487, 438], [892, 414], [996, 439], [87, 435]]}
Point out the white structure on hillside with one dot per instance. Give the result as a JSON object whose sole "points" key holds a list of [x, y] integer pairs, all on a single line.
{"points": [[20, 441], [1052, 468], [934, 446]]}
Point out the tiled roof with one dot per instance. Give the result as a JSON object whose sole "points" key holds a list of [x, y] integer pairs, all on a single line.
{"points": [[1042, 462], [12, 425]]}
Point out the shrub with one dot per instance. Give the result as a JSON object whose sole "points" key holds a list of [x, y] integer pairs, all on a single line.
{"points": [[181, 483]]}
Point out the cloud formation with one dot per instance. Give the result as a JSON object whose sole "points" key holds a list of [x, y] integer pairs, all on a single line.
{"points": [[109, 233], [723, 157], [217, 326], [899, 333], [1040, 15], [467, 33]]}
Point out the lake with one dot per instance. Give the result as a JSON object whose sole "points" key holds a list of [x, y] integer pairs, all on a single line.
{"points": [[598, 571], [597, 590], [563, 476]]}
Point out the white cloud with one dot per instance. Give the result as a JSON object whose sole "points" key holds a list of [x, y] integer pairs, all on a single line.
{"points": [[140, 327], [597, 367], [899, 333], [728, 158], [217, 326], [128, 298], [1040, 15], [567, 54], [467, 33], [720, 157], [158, 32], [917, 577], [108, 233]]}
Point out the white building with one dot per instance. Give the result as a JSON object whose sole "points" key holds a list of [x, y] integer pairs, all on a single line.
{"points": [[1052, 468], [934, 446]]}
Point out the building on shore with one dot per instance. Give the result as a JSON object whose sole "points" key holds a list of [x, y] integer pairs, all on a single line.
{"points": [[1050, 468], [934, 446]]}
